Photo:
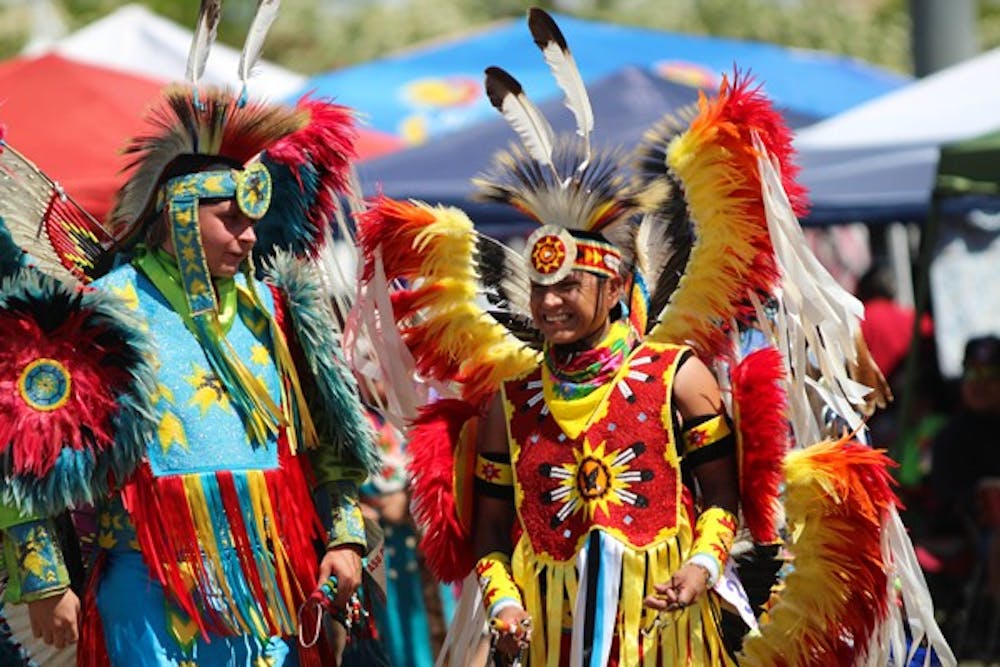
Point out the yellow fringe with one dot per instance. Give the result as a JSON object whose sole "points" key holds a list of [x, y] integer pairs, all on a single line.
{"points": [[689, 637], [198, 505]]}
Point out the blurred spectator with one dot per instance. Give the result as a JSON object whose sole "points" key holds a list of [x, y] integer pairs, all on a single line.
{"points": [[967, 449], [887, 329], [888, 325], [412, 622]]}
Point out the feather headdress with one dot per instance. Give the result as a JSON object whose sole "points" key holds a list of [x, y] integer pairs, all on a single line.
{"points": [[38, 218]]}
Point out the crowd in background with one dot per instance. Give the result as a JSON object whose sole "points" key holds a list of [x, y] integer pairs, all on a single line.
{"points": [[945, 437]]}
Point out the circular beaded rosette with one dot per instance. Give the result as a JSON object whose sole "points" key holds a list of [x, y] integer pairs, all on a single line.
{"points": [[75, 384], [551, 251]]}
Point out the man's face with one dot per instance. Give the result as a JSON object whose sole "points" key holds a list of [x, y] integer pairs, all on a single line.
{"points": [[227, 236], [981, 388], [574, 309]]}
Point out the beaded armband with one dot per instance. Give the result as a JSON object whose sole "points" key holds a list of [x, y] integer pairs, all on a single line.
{"points": [[494, 476], [497, 583], [714, 534], [34, 561], [340, 510], [707, 438]]}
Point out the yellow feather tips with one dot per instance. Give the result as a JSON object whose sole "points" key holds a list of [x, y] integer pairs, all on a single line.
{"points": [[451, 337], [716, 165], [837, 494]]}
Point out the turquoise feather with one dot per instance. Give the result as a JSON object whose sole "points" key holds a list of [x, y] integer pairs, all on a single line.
{"points": [[334, 402]]}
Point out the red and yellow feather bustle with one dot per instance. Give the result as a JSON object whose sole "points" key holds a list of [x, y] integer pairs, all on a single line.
{"points": [[715, 163], [838, 494], [431, 252]]}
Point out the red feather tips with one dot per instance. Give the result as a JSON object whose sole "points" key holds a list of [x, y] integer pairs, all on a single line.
{"points": [[760, 410], [439, 443], [75, 383], [324, 149], [390, 228], [750, 109]]}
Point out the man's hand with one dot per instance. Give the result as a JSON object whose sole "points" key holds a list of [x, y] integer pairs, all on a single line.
{"points": [[345, 564], [682, 590], [516, 633], [56, 619]]}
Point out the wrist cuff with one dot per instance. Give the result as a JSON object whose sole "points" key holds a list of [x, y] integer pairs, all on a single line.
{"points": [[710, 564], [497, 583]]}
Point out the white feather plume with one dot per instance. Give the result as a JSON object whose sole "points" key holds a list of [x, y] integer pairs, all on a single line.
{"points": [[267, 11], [204, 36], [531, 126], [560, 60]]}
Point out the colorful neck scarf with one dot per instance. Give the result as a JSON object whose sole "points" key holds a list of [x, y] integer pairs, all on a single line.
{"points": [[577, 374]]}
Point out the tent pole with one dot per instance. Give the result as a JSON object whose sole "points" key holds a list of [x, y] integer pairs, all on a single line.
{"points": [[901, 260], [928, 240]]}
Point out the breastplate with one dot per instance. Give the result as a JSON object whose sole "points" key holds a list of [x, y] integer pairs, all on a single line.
{"points": [[619, 475]]}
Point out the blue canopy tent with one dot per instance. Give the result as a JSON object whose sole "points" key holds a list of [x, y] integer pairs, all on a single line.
{"points": [[429, 92], [626, 103]]}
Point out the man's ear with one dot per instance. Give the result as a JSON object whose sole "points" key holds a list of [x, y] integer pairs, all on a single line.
{"points": [[616, 286]]}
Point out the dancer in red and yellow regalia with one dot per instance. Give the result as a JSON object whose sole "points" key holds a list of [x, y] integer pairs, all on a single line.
{"points": [[585, 465]]}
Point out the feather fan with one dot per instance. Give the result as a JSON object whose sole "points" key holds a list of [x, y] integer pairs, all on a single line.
{"points": [[61, 238]]}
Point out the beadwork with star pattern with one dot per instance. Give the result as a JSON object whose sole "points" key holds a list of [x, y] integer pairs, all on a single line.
{"points": [[621, 471], [192, 403]]}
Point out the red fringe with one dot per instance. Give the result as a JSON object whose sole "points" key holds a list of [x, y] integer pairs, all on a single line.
{"points": [[761, 406], [165, 529], [433, 439], [241, 541], [91, 650], [154, 506], [290, 495]]}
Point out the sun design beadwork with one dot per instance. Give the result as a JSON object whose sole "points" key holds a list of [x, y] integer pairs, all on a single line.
{"points": [[614, 467], [595, 479], [548, 254], [45, 384]]}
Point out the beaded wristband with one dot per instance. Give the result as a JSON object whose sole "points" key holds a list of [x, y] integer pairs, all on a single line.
{"points": [[714, 534], [496, 583]]}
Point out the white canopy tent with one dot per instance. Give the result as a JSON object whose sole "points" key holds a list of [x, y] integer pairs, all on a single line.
{"points": [[876, 162], [136, 40]]}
